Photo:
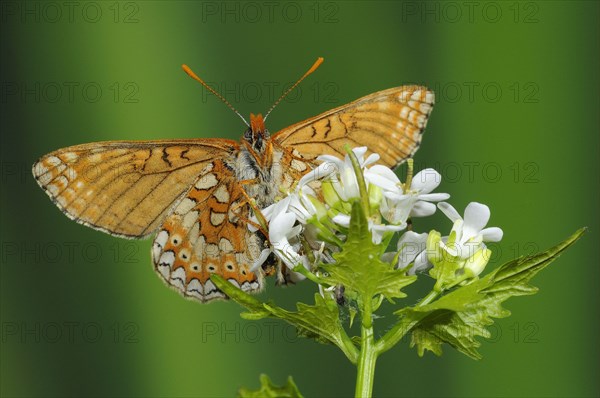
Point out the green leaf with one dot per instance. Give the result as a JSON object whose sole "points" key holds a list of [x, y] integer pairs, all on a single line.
{"points": [[359, 267], [458, 317], [269, 390], [255, 306], [320, 321]]}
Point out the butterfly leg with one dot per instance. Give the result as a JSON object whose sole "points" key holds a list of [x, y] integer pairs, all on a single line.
{"points": [[245, 219], [262, 221]]}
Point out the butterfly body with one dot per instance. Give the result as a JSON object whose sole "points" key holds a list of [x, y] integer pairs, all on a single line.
{"points": [[196, 196]]}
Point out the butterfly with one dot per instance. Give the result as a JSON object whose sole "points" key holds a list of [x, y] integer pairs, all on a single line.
{"points": [[197, 196]]}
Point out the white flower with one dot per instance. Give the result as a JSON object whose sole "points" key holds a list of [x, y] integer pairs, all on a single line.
{"points": [[412, 248], [282, 216], [377, 230], [399, 204], [340, 172], [469, 233]]}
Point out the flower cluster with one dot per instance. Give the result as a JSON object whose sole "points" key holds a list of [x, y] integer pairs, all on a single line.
{"points": [[310, 223]]}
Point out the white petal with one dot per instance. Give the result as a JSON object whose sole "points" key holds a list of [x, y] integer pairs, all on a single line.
{"points": [[298, 208], [410, 245], [422, 209], [451, 250], [382, 182], [280, 226], [295, 231], [267, 211], [289, 256], [339, 189], [426, 181], [421, 264], [385, 172], [332, 159], [306, 190], [359, 152], [434, 197], [468, 249], [307, 204], [411, 237], [321, 171], [449, 211], [372, 158], [377, 230], [377, 236], [384, 207], [477, 216], [457, 228], [492, 234], [341, 219], [349, 183], [261, 259], [396, 196], [280, 207]]}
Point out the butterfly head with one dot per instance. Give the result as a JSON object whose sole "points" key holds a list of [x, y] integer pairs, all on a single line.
{"points": [[256, 133]]}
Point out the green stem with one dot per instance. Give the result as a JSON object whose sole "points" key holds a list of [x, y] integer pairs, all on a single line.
{"points": [[368, 355]]}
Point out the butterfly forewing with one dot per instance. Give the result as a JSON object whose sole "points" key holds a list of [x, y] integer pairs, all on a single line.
{"points": [[125, 188], [207, 234], [388, 122]]}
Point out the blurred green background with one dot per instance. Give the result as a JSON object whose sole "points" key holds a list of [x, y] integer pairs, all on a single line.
{"points": [[515, 126]]}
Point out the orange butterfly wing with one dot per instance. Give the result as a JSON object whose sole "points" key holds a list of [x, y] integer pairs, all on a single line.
{"points": [[207, 233], [388, 122], [125, 188]]}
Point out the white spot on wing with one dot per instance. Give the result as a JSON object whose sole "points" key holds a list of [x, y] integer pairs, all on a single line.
{"points": [[222, 194], [210, 291], [53, 189], [178, 278], [185, 206], [53, 161], [167, 259], [404, 112], [39, 169], [69, 156], [165, 271], [189, 219], [225, 245], [216, 218], [297, 165], [195, 289], [212, 250], [430, 97], [207, 181]]}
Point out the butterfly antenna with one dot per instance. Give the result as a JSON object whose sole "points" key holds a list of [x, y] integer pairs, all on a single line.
{"points": [[313, 68], [191, 74]]}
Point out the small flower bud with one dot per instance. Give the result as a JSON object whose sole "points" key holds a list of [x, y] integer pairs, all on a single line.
{"points": [[477, 262]]}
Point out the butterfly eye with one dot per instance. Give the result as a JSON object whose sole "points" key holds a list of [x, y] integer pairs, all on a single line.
{"points": [[248, 135]]}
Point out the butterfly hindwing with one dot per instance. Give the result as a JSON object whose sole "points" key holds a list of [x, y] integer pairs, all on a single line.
{"points": [[207, 233], [388, 122], [125, 188]]}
